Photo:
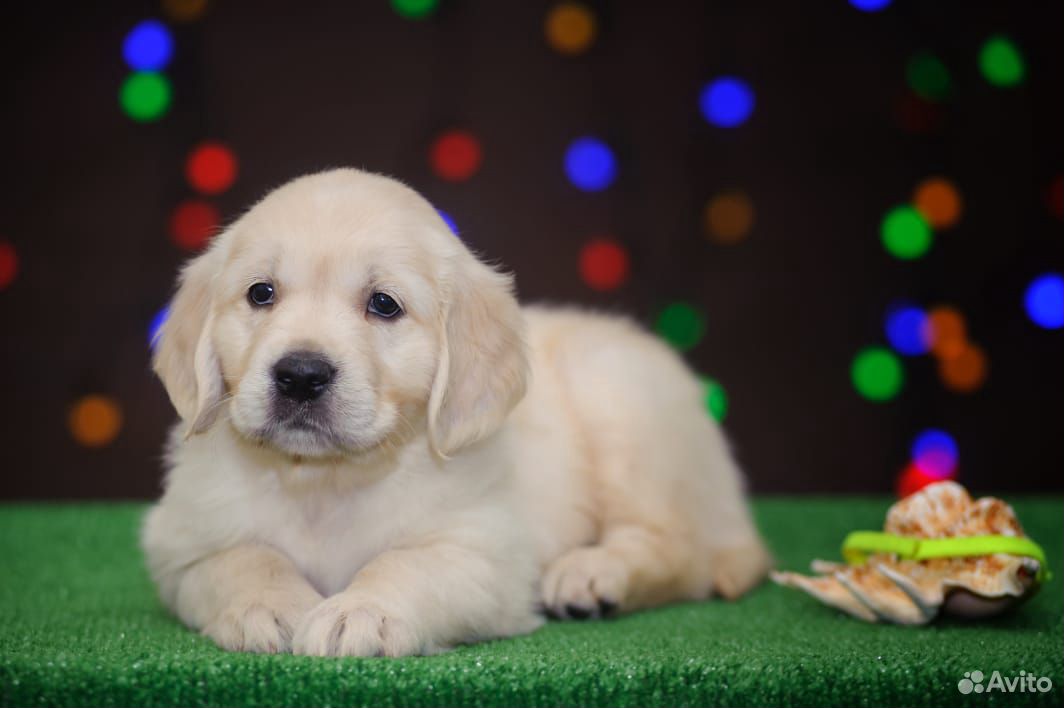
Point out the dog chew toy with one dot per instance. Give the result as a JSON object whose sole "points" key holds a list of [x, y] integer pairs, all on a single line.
{"points": [[939, 552]]}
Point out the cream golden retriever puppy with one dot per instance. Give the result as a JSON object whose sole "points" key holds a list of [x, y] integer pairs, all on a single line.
{"points": [[381, 453]]}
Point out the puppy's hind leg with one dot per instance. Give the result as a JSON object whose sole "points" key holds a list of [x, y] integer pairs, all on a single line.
{"points": [[732, 549], [635, 567], [739, 568], [675, 523], [673, 518], [729, 547], [631, 567]]}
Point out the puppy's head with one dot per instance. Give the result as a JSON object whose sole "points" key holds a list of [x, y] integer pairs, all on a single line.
{"points": [[338, 316]]}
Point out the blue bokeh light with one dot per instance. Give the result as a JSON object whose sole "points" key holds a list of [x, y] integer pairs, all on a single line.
{"points": [[935, 453], [906, 328], [590, 164], [449, 220], [870, 5], [148, 46], [1044, 301], [156, 325], [727, 102]]}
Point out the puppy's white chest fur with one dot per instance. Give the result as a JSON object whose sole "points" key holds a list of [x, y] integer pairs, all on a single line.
{"points": [[331, 520], [329, 536]]}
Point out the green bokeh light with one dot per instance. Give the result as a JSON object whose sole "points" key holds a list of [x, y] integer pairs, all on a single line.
{"points": [[681, 325], [716, 398], [928, 77], [1001, 62], [877, 374], [906, 234], [145, 96], [415, 9]]}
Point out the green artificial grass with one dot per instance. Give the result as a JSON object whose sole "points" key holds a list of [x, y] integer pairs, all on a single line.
{"points": [[81, 626]]}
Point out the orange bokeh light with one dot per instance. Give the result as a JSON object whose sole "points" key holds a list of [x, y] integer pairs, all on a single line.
{"points": [[729, 216], [184, 10], [95, 420], [965, 372], [570, 28], [938, 201], [946, 332]]}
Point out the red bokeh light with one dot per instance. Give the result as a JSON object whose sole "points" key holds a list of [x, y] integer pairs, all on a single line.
{"points": [[193, 223], [603, 264], [455, 155], [916, 115], [8, 264], [1055, 197], [912, 480], [211, 168]]}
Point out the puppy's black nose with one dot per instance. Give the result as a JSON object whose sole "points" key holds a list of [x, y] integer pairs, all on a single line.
{"points": [[303, 376]]}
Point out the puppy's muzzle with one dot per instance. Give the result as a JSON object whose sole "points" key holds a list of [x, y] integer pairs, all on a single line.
{"points": [[303, 376]]}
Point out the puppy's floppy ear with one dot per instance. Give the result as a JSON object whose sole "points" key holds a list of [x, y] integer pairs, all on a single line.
{"points": [[483, 368], [184, 357]]}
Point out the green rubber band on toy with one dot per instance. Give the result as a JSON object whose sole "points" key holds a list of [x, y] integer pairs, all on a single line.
{"points": [[859, 544]]}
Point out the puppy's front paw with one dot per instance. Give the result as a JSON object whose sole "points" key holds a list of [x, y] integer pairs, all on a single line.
{"points": [[348, 625], [585, 582], [261, 622]]}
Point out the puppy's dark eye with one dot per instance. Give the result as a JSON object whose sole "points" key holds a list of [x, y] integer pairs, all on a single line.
{"points": [[260, 294], [384, 305]]}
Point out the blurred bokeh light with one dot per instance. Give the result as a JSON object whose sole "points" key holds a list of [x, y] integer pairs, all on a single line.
{"points": [[906, 234], [716, 398], [8, 264], [211, 168], [604, 263], [729, 216], [1044, 301], [906, 329], [938, 201], [1001, 62], [727, 102], [877, 374], [935, 453], [682, 325], [95, 420], [570, 28], [590, 164], [148, 46], [145, 96]]}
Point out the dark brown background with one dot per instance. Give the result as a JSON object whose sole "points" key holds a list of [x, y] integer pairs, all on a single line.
{"points": [[296, 87]]}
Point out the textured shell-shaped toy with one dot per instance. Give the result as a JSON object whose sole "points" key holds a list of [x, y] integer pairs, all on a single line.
{"points": [[892, 589]]}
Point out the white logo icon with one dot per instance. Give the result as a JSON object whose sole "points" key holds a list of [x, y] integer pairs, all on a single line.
{"points": [[972, 681], [1024, 683]]}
